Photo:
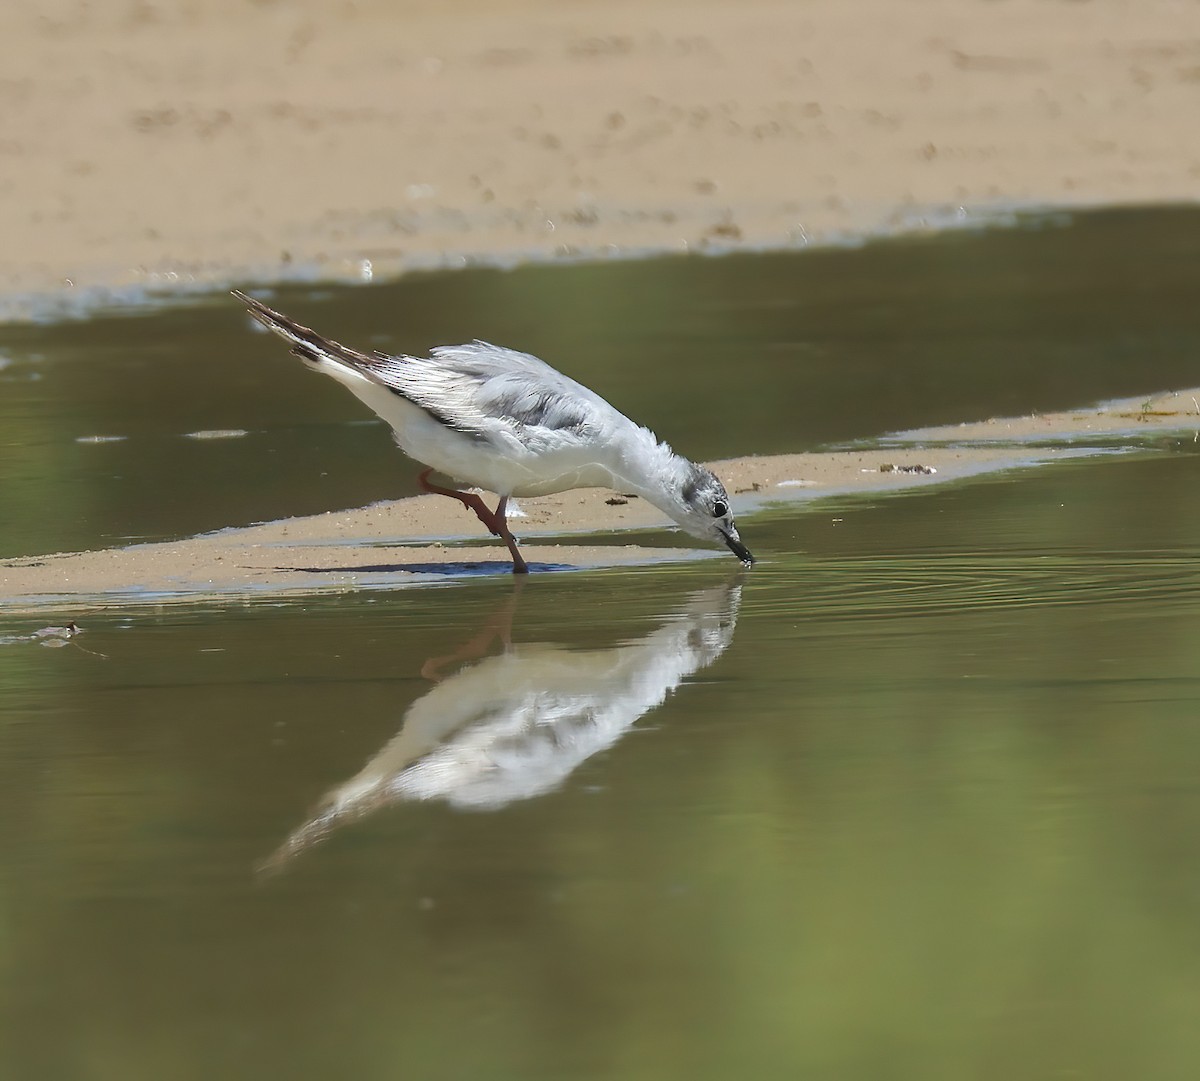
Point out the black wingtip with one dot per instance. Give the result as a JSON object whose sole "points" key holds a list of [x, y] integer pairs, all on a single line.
{"points": [[250, 302]]}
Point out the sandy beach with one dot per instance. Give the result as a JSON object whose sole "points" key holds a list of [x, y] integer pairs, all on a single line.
{"points": [[192, 143], [164, 142]]}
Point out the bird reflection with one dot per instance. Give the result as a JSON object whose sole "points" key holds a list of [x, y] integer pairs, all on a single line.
{"points": [[515, 725]]}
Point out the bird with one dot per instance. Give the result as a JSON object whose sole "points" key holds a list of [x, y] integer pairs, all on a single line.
{"points": [[506, 422]]}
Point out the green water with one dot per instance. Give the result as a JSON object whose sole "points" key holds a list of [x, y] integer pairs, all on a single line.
{"points": [[749, 354], [916, 797]]}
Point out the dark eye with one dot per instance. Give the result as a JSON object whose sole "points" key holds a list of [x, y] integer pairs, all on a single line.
{"points": [[720, 508]]}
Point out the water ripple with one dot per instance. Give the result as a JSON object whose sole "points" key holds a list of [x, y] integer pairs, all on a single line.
{"points": [[950, 583]]}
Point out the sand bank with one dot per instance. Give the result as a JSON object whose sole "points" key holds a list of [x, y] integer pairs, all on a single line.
{"points": [[429, 538], [164, 142]]}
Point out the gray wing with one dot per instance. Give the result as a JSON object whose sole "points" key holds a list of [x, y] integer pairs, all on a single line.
{"points": [[478, 388], [488, 392]]}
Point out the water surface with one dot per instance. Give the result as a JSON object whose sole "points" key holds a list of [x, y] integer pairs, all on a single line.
{"points": [[929, 797], [916, 797], [746, 354]]}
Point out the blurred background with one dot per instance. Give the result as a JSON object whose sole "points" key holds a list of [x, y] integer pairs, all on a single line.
{"points": [[147, 138]]}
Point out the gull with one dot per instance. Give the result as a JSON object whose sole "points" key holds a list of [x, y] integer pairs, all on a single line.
{"points": [[505, 422]]}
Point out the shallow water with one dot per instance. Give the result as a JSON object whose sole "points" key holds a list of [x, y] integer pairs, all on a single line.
{"points": [[723, 357], [915, 797], [928, 797]]}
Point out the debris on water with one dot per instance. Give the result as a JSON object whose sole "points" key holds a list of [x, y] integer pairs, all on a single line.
{"points": [[46, 636], [217, 433], [52, 638], [101, 438], [57, 633], [795, 484], [888, 467]]}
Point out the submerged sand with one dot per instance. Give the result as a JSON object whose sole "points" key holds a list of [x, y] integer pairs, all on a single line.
{"points": [[421, 539]]}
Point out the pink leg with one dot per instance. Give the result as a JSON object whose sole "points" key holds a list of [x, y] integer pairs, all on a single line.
{"points": [[505, 534], [495, 522], [498, 626]]}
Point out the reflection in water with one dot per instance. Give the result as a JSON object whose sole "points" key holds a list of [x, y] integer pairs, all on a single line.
{"points": [[517, 724]]}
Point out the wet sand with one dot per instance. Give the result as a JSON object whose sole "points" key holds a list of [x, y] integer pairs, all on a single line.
{"points": [[181, 141], [429, 538]]}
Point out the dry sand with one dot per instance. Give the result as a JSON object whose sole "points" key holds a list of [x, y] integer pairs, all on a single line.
{"points": [[162, 141], [186, 142]]}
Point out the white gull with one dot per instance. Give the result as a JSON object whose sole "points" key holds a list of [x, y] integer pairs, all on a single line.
{"points": [[504, 421]]}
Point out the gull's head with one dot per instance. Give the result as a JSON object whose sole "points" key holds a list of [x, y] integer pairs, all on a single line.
{"points": [[702, 509]]}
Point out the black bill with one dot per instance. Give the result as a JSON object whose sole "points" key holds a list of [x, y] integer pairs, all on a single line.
{"points": [[738, 549]]}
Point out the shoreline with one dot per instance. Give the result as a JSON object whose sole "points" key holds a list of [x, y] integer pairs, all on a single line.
{"points": [[416, 541], [171, 287], [180, 144]]}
